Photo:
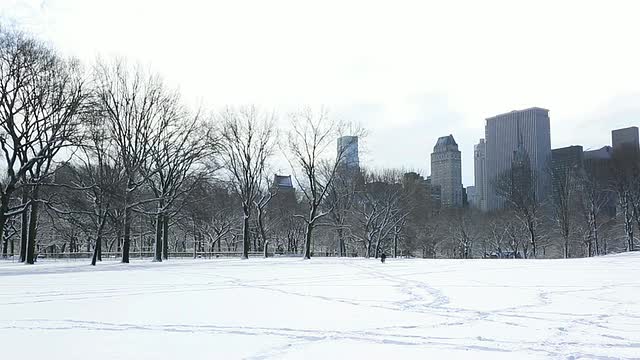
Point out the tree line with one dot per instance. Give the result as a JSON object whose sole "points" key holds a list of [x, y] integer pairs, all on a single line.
{"points": [[108, 158]]}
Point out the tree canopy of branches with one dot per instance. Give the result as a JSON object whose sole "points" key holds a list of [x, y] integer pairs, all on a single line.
{"points": [[136, 107], [247, 140], [310, 135], [42, 95], [517, 187]]}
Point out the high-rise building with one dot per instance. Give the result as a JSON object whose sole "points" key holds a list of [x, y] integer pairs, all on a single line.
{"points": [[479, 174], [598, 170], [348, 151], [567, 165], [472, 196], [567, 158], [435, 193], [627, 137], [283, 182], [503, 133], [286, 200], [446, 171]]}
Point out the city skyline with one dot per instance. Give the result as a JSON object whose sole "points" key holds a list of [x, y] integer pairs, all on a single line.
{"points": [[285, 55]]}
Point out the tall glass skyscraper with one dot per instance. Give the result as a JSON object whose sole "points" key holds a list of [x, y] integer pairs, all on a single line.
{"points": [[528, 127], [348, 152]]}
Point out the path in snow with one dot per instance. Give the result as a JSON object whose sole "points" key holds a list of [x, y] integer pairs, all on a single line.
{"points": [[323, 308]]}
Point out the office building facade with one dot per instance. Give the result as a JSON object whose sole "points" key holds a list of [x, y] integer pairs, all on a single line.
{"points": [[446, 171], [347, 151], [527, 130], [627, 137], [479, 175]]}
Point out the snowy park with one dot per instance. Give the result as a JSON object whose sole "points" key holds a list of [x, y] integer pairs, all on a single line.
{"points": [[323, 308]]}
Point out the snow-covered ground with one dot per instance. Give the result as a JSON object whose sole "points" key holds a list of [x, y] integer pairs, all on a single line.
{"points": [[322, 309]]}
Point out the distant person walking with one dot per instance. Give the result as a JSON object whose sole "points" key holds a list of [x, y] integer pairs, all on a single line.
{"points": [[383, 257]]}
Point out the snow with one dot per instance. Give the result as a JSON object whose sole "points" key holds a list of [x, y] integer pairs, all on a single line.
{"points": [[287, 308]]}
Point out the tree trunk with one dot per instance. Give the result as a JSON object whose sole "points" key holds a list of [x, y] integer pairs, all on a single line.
{"points": [[96, 250], [246, 241], [367, 248], [266, 249], [395, 244], [263, 233], [165, 237], [309, 231], [628, 226], [628, 220], [33, 226], [24, 225], [533, 241], [158, 244], [4, 208], [593, 229], [341, 248], [5, 239], [378, 243], [118, 241], [126, 241], [307, 241]]}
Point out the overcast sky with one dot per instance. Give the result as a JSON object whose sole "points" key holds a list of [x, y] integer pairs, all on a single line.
{"points": [[408, 71]]}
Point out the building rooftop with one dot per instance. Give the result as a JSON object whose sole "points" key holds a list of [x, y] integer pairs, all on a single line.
{"points": [[283, 181], [518, 111], [445, 143], [568, 148], [604, 152]]}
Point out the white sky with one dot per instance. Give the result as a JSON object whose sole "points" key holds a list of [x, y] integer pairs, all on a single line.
{"points": [[408, 71]]}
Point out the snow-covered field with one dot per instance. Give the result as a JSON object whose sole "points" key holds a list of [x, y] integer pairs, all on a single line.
{"points": [[323, 309]]}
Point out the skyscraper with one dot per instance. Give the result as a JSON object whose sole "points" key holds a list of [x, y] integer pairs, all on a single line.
{"points": [[627, 137], [472, 197], [446, 171], [570, 157], [283, 182], [348, 151], [567, 165], [479, 174], [531, 129], [597, 166]]}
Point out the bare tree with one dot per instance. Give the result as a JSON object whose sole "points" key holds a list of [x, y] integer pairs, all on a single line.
{"points": [[262, 202], [497, 234], [341, 198], [517, 187], [626, 184], [41, 97], [594, 196], [379, 209], [98, 177], [565, 204], [247, 139], [180, 146], [421, 227], [135, 105], [310, 136], [465, 233]]}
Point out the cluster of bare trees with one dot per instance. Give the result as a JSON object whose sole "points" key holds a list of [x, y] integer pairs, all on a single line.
{"points": [[593, 209], [108, 159]]}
